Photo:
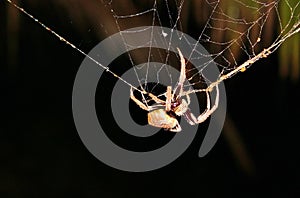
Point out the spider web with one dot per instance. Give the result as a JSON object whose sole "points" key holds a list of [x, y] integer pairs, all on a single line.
{"points": [[235, 33]]}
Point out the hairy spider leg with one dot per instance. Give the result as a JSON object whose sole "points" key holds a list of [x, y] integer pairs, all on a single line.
{"points": [[168, 98], [179, 87], [207, 113], [142, 105], [139, 103], [190, 117]]}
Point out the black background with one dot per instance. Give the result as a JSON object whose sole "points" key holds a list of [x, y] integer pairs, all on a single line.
{"points": [[42, 155]]}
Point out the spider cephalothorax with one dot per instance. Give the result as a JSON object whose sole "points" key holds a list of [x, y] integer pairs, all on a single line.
{"points": [[175, 105]]}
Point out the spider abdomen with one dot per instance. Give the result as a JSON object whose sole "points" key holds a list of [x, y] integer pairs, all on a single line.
{"points": [[159, 118]]}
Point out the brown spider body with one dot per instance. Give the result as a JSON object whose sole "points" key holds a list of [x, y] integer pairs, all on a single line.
{"points": [[174, 105], [159, 118], [179, 107], [166, 119]]}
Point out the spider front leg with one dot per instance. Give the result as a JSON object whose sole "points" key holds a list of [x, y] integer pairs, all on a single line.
{"points": [[153, 97], [168, 101], [139, 103], [168, 98], [178, 90], [209, 110], [189, 116]]}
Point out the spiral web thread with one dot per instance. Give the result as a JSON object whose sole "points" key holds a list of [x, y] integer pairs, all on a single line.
{"points": [[234, 39]]}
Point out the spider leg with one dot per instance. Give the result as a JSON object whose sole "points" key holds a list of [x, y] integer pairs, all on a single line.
{"points": [[179, 87], [156, 99], [139, 103], [188, 99], [209, 110], [168, 98], [177, 128], [190, 117]]}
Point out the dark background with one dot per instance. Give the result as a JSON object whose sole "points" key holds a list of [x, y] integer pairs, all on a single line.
{"points": [[42, 155]]}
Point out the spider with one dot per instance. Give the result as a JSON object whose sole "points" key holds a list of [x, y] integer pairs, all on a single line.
{"points": [[175, 105]]}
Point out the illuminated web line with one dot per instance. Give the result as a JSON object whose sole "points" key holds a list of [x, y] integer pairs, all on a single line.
{"points": [[73, 46], [154, 12], [263, 54], [155, 18], [231, 67], [243, 40]]}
